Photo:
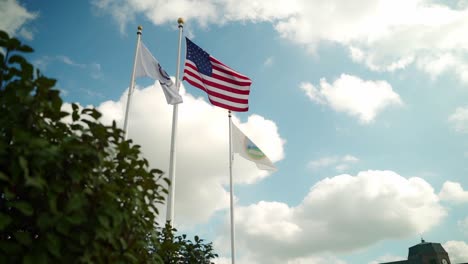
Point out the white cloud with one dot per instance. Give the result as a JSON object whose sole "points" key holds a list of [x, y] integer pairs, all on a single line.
{"points": [[203, 12], [341, 163], [222, 260], [453, 192], [342, 167], [350, 158], [13, 18], [94, 69], [340, 213], [352, 95], [269, 61], [386, 35], [387, 258], [459, 119], [381, 34], [322, 162], [68, 61], [457, 251], [202, 147], [463, 225], [91, 93], [317, 260]]}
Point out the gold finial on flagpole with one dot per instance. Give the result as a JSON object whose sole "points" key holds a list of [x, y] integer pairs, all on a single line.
{"points": [[140, 28], [180, 21]]}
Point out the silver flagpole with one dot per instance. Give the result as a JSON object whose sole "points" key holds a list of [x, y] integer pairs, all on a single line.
{"points": [[231, 191], [132, 83], [172, 161]]}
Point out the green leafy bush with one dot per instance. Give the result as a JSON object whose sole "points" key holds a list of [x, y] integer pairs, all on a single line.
{"points": [[74, 192]]}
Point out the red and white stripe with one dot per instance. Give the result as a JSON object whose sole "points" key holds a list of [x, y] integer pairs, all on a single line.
{"points": [[226, 88]]}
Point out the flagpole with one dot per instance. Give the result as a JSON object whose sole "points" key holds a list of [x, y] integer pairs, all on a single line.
{"points": [[132, 83], [231, 191], [172, 161]]}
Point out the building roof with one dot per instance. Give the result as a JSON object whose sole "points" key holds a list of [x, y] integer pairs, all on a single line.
{"points": [[425, 248]]}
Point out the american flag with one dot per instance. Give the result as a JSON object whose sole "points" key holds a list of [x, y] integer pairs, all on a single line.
{"points": [[225, 87]]}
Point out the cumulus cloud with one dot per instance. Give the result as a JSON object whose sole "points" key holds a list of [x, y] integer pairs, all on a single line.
{"points": [[354, 96], [457, 250], [202, 147], [340, 163], [463, 225], [314, 259], [203, 12], [340, 213], [382, 35], [387, 258], [386, 35], [317, 260], [459, 119], [453, 192], [14, 17]]}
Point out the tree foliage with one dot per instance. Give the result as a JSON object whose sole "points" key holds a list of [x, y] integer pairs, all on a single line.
{"points": [[178, 249], [74, 191]]}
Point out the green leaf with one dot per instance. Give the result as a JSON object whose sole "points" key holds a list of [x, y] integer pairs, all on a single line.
{"points": [[23, 207], [28, 259], [63, 227], [4, 36], [37, 182], [76, 219], [3, 177], [130, 257], [103, 220], [17, 59], [9, 195], [84, 238], [44, 221], [53, 245], [75, 114], [24, 166], [25, 48], [23, 237], [11, 247], [95, 113], [52, 201], [5, 220], [37, 258], [13, 44], [75, 203], [123, 244]]}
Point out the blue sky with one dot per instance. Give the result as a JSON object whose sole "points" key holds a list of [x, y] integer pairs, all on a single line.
{"points": [[362, 105]]}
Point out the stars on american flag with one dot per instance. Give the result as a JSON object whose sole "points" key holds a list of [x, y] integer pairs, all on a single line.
{"points": [[200, 57]]}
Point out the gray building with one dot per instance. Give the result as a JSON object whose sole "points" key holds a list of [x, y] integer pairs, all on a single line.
{"points": [[426, 253]]}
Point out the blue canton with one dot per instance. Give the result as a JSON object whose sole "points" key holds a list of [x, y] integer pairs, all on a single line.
{"points": [[200, 57]]}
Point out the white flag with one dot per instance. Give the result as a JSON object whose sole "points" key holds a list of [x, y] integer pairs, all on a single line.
{"points": [[148, 66], [247, 149]]}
